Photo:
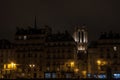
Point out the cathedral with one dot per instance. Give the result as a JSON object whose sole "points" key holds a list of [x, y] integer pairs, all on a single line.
{"points": [[40, 53], [81, 38]]}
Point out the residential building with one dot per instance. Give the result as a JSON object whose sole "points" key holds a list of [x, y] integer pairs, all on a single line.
{"points": [[6, 57], [104, 56]]}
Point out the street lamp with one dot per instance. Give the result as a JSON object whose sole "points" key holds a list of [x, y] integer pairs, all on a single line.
{"points": [[99, 64], [32, 68], [31, 65], [72, 64], [9, 69], [76, 70], [13, 65]]}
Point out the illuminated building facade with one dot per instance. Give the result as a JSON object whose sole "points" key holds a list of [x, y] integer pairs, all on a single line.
{"points": [[104, 57], [42, 54], [6, 56], [60, 55], [30, 51], [80, 36]]}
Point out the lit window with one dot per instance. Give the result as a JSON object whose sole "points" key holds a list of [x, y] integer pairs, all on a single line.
{"points": [[116, 75], [47, 75], [115, 48], [25, 37]]}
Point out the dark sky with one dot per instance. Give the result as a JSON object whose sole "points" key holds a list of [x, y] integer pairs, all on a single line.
{"points": [[98, 15]]}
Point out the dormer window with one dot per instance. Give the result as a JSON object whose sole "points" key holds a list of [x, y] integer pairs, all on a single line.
{"points": [[115, 48], [19, 37]]}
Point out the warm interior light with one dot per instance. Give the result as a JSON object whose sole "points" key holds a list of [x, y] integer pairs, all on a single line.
{"points": [[98, 62], [72, 64]]}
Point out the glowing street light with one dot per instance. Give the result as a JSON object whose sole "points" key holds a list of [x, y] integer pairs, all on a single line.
{"points": [[13, 65], [31, 65], [72, 64], [76, 70], [99, 62]]}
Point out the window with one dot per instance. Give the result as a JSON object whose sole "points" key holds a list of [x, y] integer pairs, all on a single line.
{"points": [[108, 55], [25, 37], [115, 55], [101, 55], [23, 55], [47, 75], [19, 37], [29, 55], [48, 64], [18, 55], [53, 75], [115, 48], [48, 56], [35, 55], [117, 75], [1, 55], [40, 69]]}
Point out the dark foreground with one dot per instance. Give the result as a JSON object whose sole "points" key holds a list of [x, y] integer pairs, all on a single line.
{"points": [[63, 79]]}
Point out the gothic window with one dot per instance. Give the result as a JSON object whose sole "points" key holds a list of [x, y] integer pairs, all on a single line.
{"points": [[79, 36], [82, 34]]}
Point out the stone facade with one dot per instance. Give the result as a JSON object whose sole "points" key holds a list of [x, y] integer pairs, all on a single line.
{"points": [[104, 55]]}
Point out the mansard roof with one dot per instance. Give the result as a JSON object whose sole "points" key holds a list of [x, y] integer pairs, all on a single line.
{"points": [[5, 44], [59, 37], [109, 35], [106, 38], [21, 31]]}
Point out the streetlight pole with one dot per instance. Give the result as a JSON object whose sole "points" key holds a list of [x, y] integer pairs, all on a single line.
{"points": [[32, 67]]}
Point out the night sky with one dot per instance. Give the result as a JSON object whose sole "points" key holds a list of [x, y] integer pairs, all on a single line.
{"points": [[98, 15]]}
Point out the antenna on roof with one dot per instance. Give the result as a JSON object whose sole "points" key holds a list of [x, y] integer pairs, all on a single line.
{"points": [[35, 24]]}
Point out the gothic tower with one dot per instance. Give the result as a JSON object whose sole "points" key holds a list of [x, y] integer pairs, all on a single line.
{"points": [[81, 38]]}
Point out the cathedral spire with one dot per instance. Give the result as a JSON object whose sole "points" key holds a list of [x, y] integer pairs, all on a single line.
{"points": [[35, 24]]}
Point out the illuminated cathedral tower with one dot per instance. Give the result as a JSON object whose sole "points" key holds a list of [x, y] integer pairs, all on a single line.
{"points": [[81, 38]]}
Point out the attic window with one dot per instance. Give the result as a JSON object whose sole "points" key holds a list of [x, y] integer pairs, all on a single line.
{"points": [[19, 37], [25, 37]]}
